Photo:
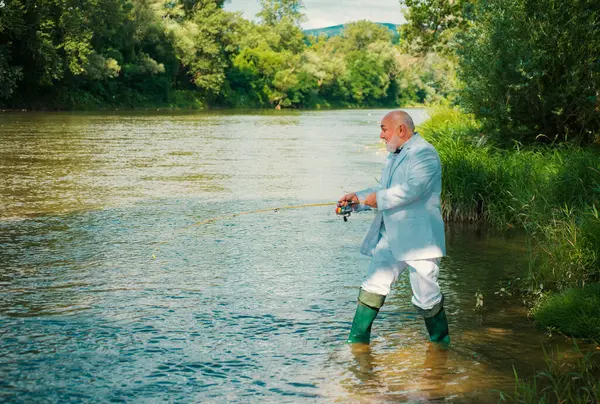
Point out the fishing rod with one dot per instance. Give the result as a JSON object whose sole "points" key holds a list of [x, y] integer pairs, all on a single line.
{"points": [[343, 211]]}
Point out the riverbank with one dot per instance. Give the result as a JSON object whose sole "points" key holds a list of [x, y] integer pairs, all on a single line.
{"points": [[551, 192], [179, 100], [74, 100]]}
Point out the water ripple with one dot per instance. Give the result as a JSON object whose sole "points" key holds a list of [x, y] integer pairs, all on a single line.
{"points": [[255, 307]]}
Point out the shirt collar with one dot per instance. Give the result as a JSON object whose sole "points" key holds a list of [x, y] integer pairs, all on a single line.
{"points": [[398, 150]]}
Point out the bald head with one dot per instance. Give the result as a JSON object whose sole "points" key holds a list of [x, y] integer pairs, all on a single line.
{"points": [[398, 118]]}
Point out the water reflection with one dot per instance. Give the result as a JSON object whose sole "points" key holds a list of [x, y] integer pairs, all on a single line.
{"points": [[419, 370], [425, 373]]}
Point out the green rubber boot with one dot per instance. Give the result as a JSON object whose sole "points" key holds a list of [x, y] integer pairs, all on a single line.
{"points": [[437, 326], [366, 311]]}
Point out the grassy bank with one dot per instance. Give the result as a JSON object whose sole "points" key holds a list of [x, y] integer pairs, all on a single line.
{"points": [[574, 312], [568, 378], [78, 100], [552, 193]]}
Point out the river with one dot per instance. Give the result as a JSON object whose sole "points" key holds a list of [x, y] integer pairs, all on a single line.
{"points": [[112, 289]]}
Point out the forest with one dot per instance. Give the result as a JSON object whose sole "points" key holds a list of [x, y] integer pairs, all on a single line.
{"points": [[71, 54]]}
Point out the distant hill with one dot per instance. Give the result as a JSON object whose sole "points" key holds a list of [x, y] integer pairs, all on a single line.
{"points": [[337, 29]]}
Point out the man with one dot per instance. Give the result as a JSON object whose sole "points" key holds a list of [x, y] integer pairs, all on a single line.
{"points": [[408, 230]]}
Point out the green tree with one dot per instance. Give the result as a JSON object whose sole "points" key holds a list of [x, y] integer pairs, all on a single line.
{"points": [[200, 44], [370, 60], [68, 53], [327, 67], [133, 60], [431, 24], [267, 58], [264, 71], [274, 12], [12, 26], [531, 68], [366, 77], [361, 34], [55, 41], [190, 5]]}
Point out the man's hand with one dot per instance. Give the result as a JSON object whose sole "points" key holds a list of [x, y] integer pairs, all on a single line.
{"points": [[348, 198], [371, 200]]}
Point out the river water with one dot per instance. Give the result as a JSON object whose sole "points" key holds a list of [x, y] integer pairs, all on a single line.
{"points": [[112, 290]]}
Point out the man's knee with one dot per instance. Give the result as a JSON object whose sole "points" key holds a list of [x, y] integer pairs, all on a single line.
{"points": [[380, 281]]}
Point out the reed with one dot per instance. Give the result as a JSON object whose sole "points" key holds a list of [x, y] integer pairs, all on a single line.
{"points": [[565, 380], [552, 192]]}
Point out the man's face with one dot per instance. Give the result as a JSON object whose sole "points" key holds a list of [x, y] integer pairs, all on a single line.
{"points": [[391, 134]]}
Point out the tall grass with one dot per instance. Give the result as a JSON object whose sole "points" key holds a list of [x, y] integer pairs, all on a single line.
{"points": [[551, 192], [575, 312], [563, 381]]}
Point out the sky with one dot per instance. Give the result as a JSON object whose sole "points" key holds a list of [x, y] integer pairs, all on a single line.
{"points": [[323, 13]]}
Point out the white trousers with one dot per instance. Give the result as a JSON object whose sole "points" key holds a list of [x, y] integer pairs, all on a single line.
{"points": [[384, 270]]}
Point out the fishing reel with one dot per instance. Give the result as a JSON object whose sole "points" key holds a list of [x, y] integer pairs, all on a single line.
{"points": [[344, 211]]}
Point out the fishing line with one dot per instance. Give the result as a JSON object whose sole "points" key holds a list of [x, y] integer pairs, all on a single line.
{"points": [[215, 219]]}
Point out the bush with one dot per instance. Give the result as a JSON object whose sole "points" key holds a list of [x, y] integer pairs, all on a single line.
{"points": [[568, 249], [185, 99], [574, 312], [551, 193], [531, 68], [563, 381]]}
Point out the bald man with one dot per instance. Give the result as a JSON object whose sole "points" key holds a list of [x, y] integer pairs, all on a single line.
{"points": [[408, 230]]}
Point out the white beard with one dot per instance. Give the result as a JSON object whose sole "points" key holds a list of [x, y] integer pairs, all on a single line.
{"points": [[393, 144]]}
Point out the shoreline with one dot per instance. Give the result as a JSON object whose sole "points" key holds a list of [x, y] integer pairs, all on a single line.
{"points": [[217, 108]]}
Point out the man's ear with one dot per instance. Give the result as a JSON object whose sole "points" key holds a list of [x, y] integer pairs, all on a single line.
{"points": [[399, 130]]}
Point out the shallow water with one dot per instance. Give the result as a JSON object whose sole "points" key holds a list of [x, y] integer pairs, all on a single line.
{"points": [[247, 308]]}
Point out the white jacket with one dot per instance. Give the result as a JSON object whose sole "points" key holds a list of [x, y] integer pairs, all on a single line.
{"points": [[408, 203]]}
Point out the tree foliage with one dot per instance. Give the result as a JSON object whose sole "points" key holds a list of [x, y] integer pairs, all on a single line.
{"points": [[274, 12], [431, 24], [529, 68], [102, 53], [532, 68]]}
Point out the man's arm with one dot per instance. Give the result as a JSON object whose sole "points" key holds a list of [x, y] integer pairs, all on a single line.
{"points": [[362, 195], [358, 197], [425, 165]]}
